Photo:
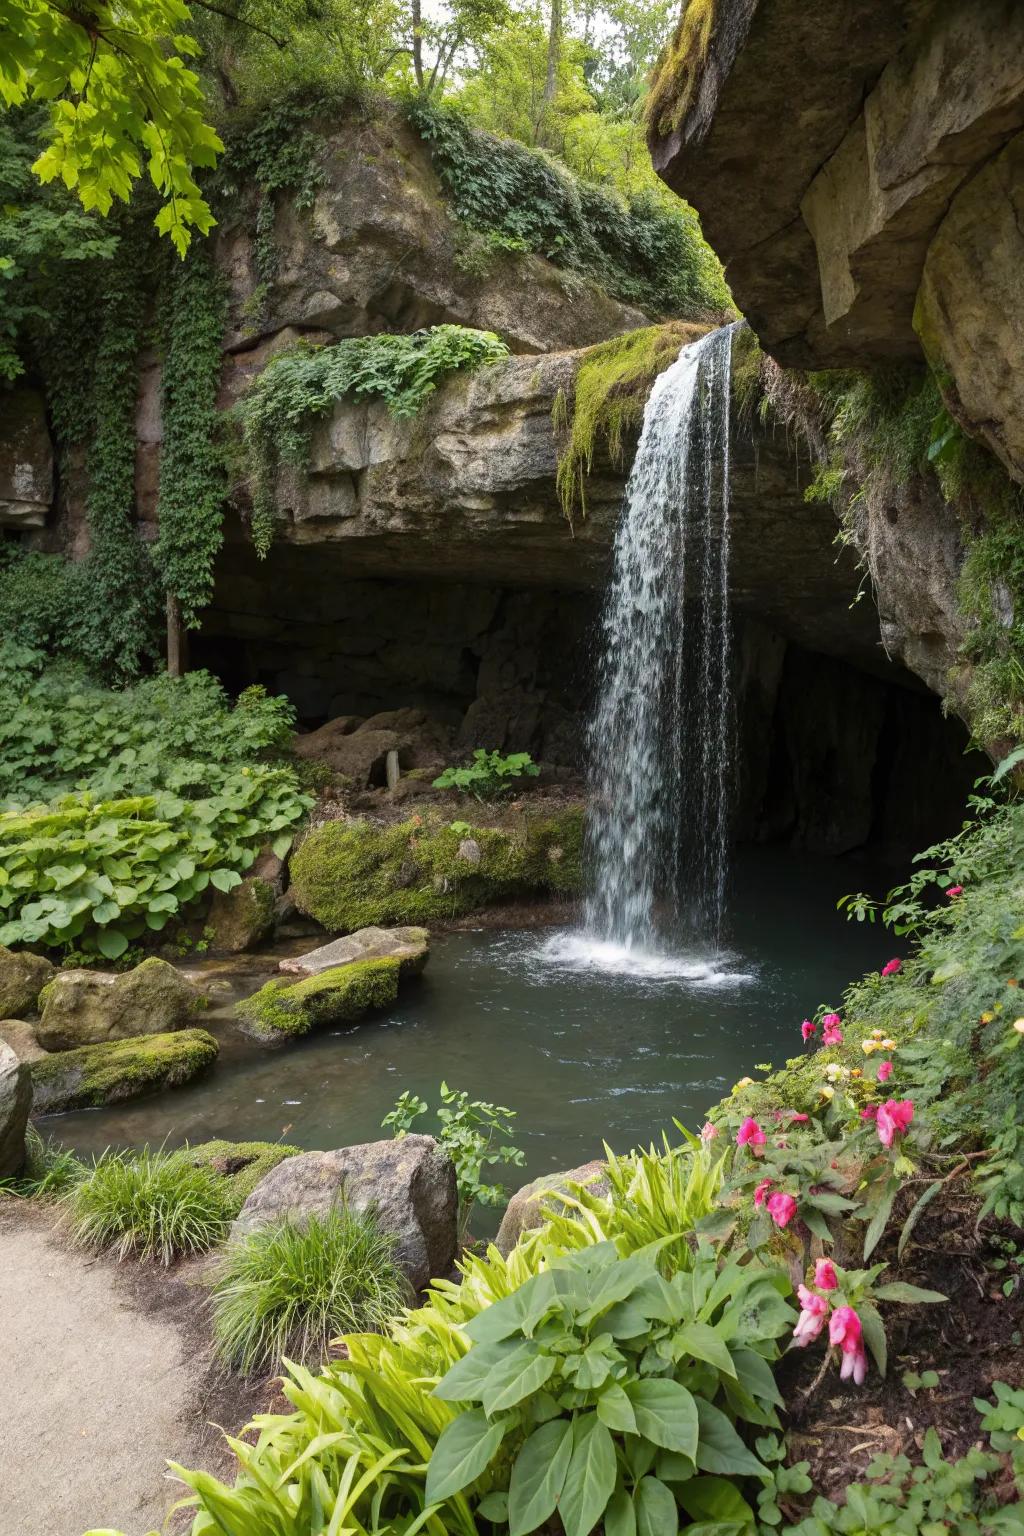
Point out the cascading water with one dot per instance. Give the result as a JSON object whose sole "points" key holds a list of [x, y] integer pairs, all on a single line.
{"points": [[660, 738]]}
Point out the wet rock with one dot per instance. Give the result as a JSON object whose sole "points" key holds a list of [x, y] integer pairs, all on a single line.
{"points": [[409, 946], [86, 1007], [15, 1106], [279, 1013], [409, 1184], [119, 1070], [22, 977], [524, 1211]]}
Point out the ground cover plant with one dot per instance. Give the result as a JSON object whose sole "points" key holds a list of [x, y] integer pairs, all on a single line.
{"points": [[149, 1205], [489, 774]]}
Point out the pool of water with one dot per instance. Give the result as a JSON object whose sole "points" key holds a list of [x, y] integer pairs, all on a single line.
{"points": [[584, 1046]]}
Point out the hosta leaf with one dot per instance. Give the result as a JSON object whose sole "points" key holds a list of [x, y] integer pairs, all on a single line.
{"points": [[538, 1476], [656, 1512], [517, 1376], [111, 943], [666, 1414], [464, 1450], [720, 1448], [590, 1478]]}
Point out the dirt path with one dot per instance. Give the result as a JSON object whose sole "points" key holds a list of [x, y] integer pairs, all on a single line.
{"points": [[105, 1372]]}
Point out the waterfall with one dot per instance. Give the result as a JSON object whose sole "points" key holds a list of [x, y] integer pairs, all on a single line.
{"points": [[660, 739]]}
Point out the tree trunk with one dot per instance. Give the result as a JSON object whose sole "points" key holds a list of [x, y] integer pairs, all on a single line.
{"points": [[417, 42], [177, 639], [554, 52]]}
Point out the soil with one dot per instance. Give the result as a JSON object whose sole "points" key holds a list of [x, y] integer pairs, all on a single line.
{"points": [[975, 1340], [108, 1370]]}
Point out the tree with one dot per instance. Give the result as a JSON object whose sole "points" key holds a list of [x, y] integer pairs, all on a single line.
{"points": [[120, 94]]}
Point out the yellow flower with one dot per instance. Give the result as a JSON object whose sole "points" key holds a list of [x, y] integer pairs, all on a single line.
{"points": [[987, 1018], [867, 1046], [828, 1093], [888, 1045], [1018, 1025], [834, 1071], [856, 1072], [876, 1034], [744, 1082]]}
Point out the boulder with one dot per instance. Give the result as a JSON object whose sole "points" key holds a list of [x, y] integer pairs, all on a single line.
{"points": [[408, 1183], [15, 1106], [22, 977], [524, 1211], [21, 1038], [244, 916], [119, 1070], [87, 1007], [409, 946], [279, 1013], [359, 756], [240, 1165]]}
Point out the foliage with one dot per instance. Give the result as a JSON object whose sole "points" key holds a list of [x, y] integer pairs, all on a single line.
{"points": [[146, 1205], [644, 250], [49, 1169], [298, 386], [284, 1292], [597, 1382], [121, 96], [471, 1132], [489, 775], [680, 67], [608, 399]]}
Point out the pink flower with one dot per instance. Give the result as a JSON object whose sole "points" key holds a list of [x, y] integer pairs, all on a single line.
{"points": [[708, 1132], [825, 1277], [869, 1112], [955, 890], [807, 1029], [781, 1208], [795, 1118], [761, 1191], [844, 1329], [812, 1317], [891, 967], [893, 1118], [885, 1071], [750, 1133], [831, 1033]]}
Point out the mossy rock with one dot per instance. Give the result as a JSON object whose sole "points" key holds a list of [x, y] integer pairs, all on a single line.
{"points": [[81, 1007], [351, 875], [280, 1012], [22, 977], [240, 1165], [119, 1070]]}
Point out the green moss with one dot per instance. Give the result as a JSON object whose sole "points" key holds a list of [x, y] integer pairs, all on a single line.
{"points": [[119, 1069], [280, 1012], [678, 71], [350, 876], [240, 1165], [610, 392]]}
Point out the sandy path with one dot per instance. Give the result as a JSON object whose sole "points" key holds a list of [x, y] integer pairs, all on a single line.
{"points": [[94, 1390]]}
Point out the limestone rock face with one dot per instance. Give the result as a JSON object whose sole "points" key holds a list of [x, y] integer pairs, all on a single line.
{"points": [[22, 977], [119, 1070], [971, 305], [87, 1007], [524, 1210], [15, 1104], [26, 460], [409, 1183], [409, 946]]}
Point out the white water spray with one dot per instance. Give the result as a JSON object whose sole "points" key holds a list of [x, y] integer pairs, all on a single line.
{"points": [[660, 741]]}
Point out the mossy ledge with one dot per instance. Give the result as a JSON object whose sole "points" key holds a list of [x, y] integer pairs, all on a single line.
{"points": [[280, 1012], [119, 1069], [351, 875], [240, 1165]]}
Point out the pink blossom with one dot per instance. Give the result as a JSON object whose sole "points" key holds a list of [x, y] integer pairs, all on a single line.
{"points": [[761, 1191], [708, 1132], [844, 1329], [807, 1029], [781, 1208], [885, 1071], [891, 967], [869, 1112], [831, 1033], [893, 1118], [750, 1133], [795, 1118], [812, 1317], [825, 1277], [955, 890]]}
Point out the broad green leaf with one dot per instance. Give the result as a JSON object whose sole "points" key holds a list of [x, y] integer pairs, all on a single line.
{"points": [[715, 1498], [666, 1414], [464, 1450], [468, 1376], [538, 1475], [703, 1342], [620, 1516], [656, 1512], [111, 943], [515, 1377], [720, 1448], [590, 1477], [899, 1290], [615, 1409], [876, 1226]]}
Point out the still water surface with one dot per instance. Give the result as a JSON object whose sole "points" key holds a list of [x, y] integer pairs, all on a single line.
{"points": [[533, 1019]]}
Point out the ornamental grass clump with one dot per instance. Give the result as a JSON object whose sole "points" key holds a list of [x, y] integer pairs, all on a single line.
{"points": [[147, 1205], [285, 1292]]}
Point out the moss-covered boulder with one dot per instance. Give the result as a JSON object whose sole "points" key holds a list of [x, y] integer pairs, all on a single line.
{"points": [[278, 1013], [88, 1007], [239, 1164], [351, 875], [242, 918], [409, 946], [22, 977], [119, 1069]]}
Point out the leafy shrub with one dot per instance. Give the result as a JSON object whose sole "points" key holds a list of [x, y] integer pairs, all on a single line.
{"points": [[147, 1205], [284, 1292], [597, 1383], [281, 408], [489, 774], [647, 251], [469, 1131]]}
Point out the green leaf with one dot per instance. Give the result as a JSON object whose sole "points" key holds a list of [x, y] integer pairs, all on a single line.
{"points": [[656, 1513], [224, 879], [466, 1379], [519, 1374], [666, 1414], [702, 1342], [720, 1448], [590, 1478], [899, 1290], [464, 1450], [876, 1226], [874, 1335], [714, 1498], [620, 1516], [538, 1476], [111, 943], [615, 1409], [917, 1210]]}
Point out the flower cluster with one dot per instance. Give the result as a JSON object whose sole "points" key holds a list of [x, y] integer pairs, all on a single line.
{"points": [[831, 1029], [844, 1326]]}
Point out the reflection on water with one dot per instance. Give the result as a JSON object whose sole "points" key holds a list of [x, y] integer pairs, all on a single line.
{"points": [[585, 1047]]}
